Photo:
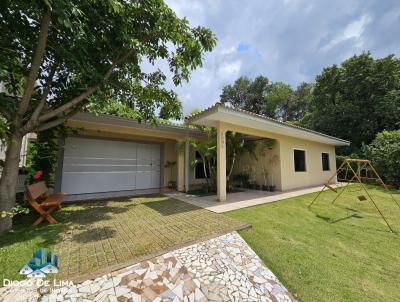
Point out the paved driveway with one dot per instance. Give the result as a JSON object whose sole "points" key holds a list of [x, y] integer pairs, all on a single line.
{"points": [[105, 235]]}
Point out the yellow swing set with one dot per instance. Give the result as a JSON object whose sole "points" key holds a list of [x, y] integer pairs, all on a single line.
{"points": [[362, 173]]}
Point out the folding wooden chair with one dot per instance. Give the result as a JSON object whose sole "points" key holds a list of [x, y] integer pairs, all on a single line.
{"points": [[45, 208]]}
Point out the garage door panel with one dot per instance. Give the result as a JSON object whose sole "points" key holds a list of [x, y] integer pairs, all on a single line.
{"points": [[143, 180], [99, 148], [95, 182], [99, 168], [98, 161], [93, 166]]}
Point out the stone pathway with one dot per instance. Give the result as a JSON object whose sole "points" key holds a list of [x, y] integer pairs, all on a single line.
{"points": [[221, 269]]}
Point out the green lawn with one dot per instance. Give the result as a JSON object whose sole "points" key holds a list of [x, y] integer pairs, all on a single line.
{"points": [[341, 252]]}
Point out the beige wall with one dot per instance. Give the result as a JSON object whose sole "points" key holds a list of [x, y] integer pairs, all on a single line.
{"points": [[288, 178], [314, 175], [270, 159], [170, 154]]}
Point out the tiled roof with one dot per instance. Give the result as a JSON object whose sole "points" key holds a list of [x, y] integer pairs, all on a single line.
{"points": [[219, 104]]}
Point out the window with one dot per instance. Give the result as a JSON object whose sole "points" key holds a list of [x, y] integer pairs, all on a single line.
{"points": [[199, 169], [325, 162], [299, 160]]}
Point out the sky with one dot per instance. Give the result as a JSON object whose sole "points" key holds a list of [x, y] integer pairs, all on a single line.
{"points": [[286, 40]]}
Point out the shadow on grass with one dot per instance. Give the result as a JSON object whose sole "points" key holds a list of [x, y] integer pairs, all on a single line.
{"points": [[171, 207], [70, 216], [333, 220], [94, 234]]}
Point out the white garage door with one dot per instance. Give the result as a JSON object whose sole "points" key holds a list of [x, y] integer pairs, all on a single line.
{"points": [[97, 165]]}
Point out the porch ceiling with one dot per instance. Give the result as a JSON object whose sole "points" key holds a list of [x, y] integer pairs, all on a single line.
{"points": [[220, 113]]}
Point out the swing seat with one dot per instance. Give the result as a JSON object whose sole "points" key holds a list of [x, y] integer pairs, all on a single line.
{"points": [[361, 198]]}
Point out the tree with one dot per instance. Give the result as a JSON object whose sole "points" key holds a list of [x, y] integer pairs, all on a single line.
{"points": [[358, 99], [301, 103], [286, 104], [246, 94], [207, 152], [59, 56], [384, 153], [278, 99], [236, 146]]}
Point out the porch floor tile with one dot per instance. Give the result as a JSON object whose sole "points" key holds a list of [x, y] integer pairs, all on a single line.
{"points": [[241, 200]]}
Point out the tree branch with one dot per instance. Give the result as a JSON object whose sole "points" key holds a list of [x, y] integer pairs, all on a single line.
{"points": [[36, 61], [56, 122], [76, 100], [33, 120], [5, 113], [7, 103]]}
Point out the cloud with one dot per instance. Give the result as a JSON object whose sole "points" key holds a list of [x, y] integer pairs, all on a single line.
{"points": [[353, 30], [229, 69], [289, 41]]}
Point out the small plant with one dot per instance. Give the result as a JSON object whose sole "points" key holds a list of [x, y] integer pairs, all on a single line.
{"points": [[241, 179], [18, 209]]}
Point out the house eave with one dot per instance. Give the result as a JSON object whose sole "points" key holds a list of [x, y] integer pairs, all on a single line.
{"points": [[221, 113], [104, 119]]}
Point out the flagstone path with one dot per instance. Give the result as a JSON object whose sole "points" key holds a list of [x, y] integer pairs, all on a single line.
{"points": [[224, 268]]}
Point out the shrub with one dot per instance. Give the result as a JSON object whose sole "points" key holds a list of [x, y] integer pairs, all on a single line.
{"points": [[384, 154]]}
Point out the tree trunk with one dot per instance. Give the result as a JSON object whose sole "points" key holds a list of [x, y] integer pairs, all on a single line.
{"points": [[9, 177], [205, 172], [232, 165]]}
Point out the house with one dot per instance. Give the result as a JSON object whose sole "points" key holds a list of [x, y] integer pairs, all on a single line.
{"points": [[114, 156], [24, 148]]}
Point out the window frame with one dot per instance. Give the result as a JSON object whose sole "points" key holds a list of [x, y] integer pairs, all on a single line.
{"points": [[305, 160], [322, 161]]}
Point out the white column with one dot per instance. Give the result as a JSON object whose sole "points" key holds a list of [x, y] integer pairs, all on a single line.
{"points": [[221, 163], [180, 167], [187, 165]]}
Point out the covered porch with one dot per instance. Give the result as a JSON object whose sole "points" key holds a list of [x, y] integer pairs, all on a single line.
{"points": [[288, 137], [239, 200]]}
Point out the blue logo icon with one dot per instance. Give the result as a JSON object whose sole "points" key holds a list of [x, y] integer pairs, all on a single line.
{"points": [[42, 263]]}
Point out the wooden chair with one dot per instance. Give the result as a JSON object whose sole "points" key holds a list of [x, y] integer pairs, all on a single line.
{"points": [[49, 204]]}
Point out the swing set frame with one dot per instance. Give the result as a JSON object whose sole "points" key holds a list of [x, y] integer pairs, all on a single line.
{"points": [[356, 176]]}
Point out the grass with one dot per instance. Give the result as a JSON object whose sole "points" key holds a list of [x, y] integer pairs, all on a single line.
{"points": [[340, 252], [94, 237]]}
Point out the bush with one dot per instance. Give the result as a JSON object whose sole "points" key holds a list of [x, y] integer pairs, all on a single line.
{"points": [[42, 157], [384, 154]]}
